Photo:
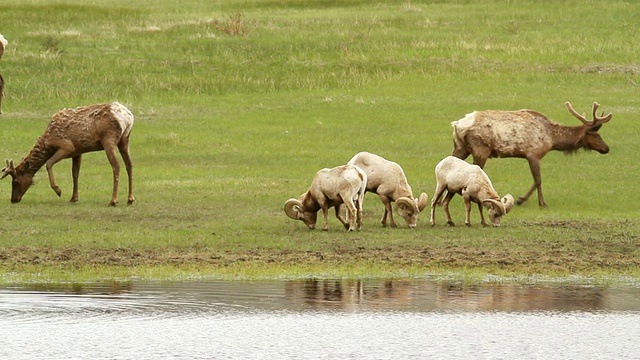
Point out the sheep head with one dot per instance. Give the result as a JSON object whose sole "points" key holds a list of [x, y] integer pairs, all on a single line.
{"points": [[294, 209], [497, 209], [410, 208]]}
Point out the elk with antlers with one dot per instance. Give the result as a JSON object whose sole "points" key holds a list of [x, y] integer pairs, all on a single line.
{"points": [[525, 134], [71, 133]]}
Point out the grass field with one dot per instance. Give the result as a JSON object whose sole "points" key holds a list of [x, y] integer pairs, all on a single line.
{"points": [[239, 103]]}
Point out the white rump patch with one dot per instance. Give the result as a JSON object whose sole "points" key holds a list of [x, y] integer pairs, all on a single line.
{"points": [[123, 116], [3, 41], [465, 122]]}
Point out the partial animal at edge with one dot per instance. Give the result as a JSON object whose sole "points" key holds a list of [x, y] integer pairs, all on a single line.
{"points": [[71, 133], [525, 134]]}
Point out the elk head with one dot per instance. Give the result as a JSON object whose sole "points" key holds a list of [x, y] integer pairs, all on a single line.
{"points": [[592, 140], [20, 182]]}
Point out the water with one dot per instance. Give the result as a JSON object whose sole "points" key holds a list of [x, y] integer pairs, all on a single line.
{"points": [[369, 319]]}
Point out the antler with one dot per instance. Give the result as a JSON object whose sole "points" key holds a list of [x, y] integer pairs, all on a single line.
{"points": [[597, 120], [9, 170]]}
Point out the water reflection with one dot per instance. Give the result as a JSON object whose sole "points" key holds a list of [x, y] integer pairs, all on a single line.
{"points": [[311, 319], [313, 294]]}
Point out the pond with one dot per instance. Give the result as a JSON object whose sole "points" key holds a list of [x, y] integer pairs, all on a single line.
{"points": [[317, 319]]}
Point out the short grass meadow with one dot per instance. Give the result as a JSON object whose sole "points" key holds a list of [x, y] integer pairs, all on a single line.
{"points": [[239, 103]]}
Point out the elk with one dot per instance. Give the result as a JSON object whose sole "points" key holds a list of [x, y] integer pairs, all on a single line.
{"points": [[525, 134], [387, 179], [3, 44], [344, 184], [459, 177], [71, 133]]}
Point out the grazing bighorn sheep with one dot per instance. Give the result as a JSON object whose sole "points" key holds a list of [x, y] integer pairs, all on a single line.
{"points": [[524, 134], [3, 44], [344, 184], [71, 133], [387, 179], [459, 177]]}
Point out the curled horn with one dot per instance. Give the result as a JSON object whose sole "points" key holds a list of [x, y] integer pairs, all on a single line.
{"points": [[291, 207], [422, 201], [508, 202], [9, 170], [405, 201], [498, 204]]}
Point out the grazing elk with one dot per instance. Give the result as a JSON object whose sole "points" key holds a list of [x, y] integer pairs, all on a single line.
{"points": [[525, 134], [71, 133], [344, 184], [459, 177], [3, 44], [387, 179]]}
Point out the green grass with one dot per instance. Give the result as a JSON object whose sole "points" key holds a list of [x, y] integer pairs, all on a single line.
{"points": [[239, 103]]}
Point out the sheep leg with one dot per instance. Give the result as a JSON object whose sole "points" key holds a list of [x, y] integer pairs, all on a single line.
{"points": [[467, 205], [534, 166], [434, 202], [325, 214], [445, 205], [123, 146], [359, 213], [351, 215], [387, 211], [480, 208], [344, 222], [75, 172]]}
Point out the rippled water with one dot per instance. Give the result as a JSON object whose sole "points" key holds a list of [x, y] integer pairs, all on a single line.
{"points": [[319, 319]]}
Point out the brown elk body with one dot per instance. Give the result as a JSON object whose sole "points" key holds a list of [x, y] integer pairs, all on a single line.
{"points": [[525, 134], [71, 133]]}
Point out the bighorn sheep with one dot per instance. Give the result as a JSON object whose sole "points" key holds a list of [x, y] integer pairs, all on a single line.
{"points": [[524, 134], [71, 133], [344, 184], [3, 44], [387, 179], [459, 177]]}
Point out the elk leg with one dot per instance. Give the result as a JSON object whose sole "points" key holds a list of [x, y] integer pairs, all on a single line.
{"points": [[534, 165], [75, 172], [115, 165], [123, 146], [57, 156]]}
